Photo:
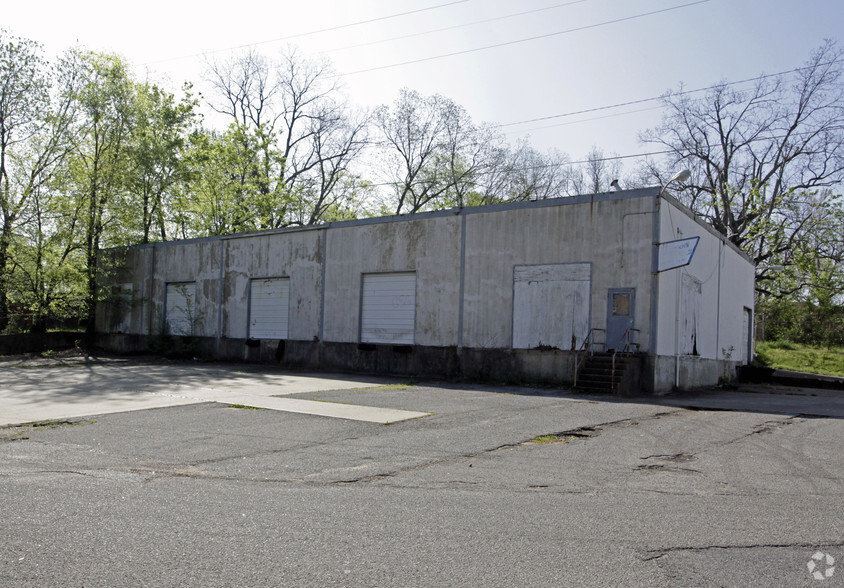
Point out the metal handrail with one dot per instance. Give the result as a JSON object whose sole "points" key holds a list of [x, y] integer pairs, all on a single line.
{"points": [[628, 342], [586, 346]]}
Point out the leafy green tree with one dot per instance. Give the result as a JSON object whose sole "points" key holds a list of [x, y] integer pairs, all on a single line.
{"points": [[804, 301], [98, 172], [48, 275], [37, 114], [156, 158], [222, 197], [24, 94]]}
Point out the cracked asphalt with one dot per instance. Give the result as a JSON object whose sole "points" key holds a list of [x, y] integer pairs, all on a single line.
{"points": [[721, 488]]}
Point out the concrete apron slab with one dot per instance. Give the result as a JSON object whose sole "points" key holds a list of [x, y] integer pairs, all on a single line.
{"points": [[354, 412], [40, 395], [19, 410]]}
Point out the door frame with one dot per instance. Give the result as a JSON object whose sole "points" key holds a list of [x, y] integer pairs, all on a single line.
{"points": [[609, 341]]}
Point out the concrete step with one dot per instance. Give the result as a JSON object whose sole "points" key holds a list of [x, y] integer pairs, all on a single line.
{"points": [[596, 371], [587, 388], [600, 373], [602, 360]]}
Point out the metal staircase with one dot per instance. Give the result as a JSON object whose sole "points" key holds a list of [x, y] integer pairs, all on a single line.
{"points": [[604, 372], [601, 373]]}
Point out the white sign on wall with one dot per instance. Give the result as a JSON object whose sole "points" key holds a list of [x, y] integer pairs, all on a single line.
{"points": [[673, 254]]}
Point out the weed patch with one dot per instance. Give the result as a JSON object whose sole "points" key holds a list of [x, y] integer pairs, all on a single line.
{"points": [[564, 437], [393, 387], [549, 439], [244, 407], [21, 432]]}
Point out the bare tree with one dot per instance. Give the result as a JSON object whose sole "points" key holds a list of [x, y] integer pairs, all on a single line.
{"points": [[306, 137], [244, 89], [760, 157], [595, 175], [537, 176], [432, 152]]}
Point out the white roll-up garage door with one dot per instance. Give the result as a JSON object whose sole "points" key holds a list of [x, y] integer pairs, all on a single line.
{"points": [[269, 307], [388, 308], [180, 308]]}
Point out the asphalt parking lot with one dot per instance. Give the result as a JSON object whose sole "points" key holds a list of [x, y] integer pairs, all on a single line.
{"points": [[178, 484]]}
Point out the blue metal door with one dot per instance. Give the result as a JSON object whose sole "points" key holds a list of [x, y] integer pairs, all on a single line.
{"points": [[620, 311]]}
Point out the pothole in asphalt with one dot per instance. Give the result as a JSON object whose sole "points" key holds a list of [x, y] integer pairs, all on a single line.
{"points": [[563, 437]]}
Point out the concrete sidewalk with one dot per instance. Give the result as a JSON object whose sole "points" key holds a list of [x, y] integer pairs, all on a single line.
{"points": [[761, 398], [30, 393]]}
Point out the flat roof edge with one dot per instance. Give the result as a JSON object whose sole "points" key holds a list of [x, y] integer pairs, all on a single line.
{"points": [[651, 191]]}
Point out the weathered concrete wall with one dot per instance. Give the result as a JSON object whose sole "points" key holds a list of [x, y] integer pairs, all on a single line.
{"points": [[127, 292], [474, 252], [613, 235], [726, 281], [197, 262], [296, 255], [695, 372], [428, 246], [515, 366], [147, 270]]}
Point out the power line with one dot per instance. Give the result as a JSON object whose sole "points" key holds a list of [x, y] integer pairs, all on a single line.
{"points": [[314, 32], [551, 165], [525, 39], [460, 26], [655, 98], [574, 122], [613, 157]]}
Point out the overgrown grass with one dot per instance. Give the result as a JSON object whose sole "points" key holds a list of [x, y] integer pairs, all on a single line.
{"points": [[801, 358]]}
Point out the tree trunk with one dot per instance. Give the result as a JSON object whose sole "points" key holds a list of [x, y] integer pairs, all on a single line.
{"points": [[5, 239]]}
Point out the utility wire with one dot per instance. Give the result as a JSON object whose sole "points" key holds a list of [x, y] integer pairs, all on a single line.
{"points": [[605, 158], [314, 32], [524, 40], [574, 122], [460, 26], [655, 98]]}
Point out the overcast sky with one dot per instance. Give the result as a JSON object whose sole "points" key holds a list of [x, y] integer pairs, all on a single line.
{"points": [[505, 61]]}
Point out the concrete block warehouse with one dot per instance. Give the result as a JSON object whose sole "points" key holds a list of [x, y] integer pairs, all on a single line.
{"points": [[521, 292]]}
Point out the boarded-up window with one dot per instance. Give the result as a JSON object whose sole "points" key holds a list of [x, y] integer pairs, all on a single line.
{"points": [[551, 305], [269, 303], [180, 314], [388, 308], [621, 304]]}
